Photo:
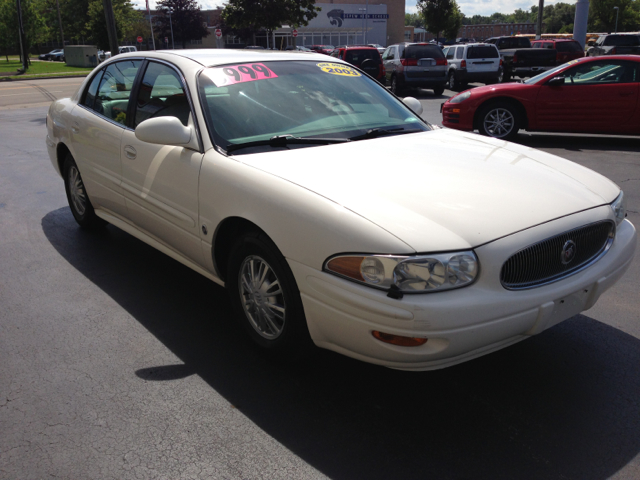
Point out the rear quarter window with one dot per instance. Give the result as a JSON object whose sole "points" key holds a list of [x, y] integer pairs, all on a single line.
{"points": [[482, 52]]}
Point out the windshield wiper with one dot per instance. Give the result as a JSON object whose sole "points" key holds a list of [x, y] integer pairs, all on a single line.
{"points": [[379, 132], [283, 141]]}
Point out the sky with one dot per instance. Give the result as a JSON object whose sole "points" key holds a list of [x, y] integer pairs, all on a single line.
{"points": [[468, 7]]}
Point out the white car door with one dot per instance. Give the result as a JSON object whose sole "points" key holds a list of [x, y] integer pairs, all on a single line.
{"points": [[160, 182], [96, 131]]}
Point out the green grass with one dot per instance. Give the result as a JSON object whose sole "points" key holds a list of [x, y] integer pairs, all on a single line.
{"points": [[40, 68]]}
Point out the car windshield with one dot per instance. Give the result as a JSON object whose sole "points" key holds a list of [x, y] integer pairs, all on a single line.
{"points": [[622, 40], [548, 73], [255, 102]]}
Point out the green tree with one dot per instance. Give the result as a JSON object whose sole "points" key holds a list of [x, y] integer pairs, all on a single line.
{"points": [[412, 20], [602, 15], [268, 14], [441, 16], [95, 27], [186, 18]]}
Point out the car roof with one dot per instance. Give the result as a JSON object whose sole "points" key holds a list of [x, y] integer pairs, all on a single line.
{"points": [[209, 57]]}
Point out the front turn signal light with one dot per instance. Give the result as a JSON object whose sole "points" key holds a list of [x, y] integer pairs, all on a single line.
{"points": [[399, 339]]}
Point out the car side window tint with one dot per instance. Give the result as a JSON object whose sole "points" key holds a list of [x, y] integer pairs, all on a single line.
{"points": [[161, 94], [90, 93], [601, 73], [115, 87], [450, 53], [460, 53]]}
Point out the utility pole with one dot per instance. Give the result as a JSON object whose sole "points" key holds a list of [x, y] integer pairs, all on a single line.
{"points": [[23, 41], [111, 26], [539, 25], [60, 23]]}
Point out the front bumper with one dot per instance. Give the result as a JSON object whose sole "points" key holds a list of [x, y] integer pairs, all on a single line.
{"points": [[457, 115], [460, 324]]}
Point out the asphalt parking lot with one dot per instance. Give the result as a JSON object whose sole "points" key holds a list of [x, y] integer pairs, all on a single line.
{"points": [[118, 362]]}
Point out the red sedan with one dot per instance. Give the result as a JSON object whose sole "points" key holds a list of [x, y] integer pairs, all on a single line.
{"points": [[589, 95]]}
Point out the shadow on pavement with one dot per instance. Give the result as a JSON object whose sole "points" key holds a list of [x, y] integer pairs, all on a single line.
{"points": [[561, 405]]}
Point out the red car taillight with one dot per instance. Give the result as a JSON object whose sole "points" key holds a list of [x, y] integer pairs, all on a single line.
{"points": [[515, 59], [381, 71], [613, 51], [463, 64], [409, 62], [442, 61]]}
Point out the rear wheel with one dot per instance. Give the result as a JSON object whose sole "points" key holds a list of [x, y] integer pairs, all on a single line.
{"points": [[451, 81], [395, 87], [77, 197], [499, 120], [438, 91], [266, 298]]}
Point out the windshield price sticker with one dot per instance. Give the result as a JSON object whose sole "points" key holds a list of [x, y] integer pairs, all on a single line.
{"points": [[248, 72], [338, 69]]}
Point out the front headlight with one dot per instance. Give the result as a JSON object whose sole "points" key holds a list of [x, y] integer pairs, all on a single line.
{"points": [[460, 98], [619, 207], [408, 274]]}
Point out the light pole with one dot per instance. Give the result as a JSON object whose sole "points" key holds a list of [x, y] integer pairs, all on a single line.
{"points": [[173, 47], [363, 17], [617, 11], [366, 24]]}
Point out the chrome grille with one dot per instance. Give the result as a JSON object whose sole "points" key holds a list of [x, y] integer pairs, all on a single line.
{"points": [[544, 262]]}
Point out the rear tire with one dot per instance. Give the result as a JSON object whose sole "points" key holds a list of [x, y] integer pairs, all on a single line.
{"points": [[451, 81], [77, 197], [266, 298], [396, 89], [438, 91]]}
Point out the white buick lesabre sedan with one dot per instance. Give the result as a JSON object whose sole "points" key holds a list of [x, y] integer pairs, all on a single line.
{"points": [[333, 214]]}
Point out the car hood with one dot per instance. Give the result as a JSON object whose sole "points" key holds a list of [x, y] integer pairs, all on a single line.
{"points": [[443, 189]]}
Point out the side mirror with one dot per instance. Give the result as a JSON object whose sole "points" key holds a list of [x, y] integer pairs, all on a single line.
{"points": [[414, 104], [163, 131], [555, 81]]}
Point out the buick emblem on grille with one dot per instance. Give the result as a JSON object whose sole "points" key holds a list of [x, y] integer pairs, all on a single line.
{"points": [[568, 252]]}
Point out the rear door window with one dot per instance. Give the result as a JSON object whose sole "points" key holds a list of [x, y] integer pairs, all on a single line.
{"points": [[90, 93], [114, 91], [460, 53], [482, 52]]}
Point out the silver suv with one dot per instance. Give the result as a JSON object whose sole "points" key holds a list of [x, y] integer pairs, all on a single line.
{"points": [[415, 65], [474, 62]]}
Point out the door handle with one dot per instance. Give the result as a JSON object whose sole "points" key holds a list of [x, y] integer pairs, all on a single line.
{"points": [[75, 127], [130, 152]]}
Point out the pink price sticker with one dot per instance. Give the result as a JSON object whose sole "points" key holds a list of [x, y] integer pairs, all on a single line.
{"points": [[247, 72]]}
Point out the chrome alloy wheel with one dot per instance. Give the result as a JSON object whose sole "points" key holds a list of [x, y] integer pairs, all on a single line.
{"points": [[499, 122], [76, 190], [262, 297]]}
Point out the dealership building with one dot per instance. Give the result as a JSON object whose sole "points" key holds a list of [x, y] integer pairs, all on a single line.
{"points": [[351, 22]]}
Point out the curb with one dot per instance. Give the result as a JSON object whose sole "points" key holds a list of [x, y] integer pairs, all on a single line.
{"points": [[7, 79]]}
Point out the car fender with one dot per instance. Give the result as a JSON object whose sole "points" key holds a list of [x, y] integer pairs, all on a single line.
{"points": [[305, 226]]}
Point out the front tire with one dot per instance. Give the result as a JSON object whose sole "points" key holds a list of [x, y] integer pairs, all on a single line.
{"points": [[438, 91], [499, 120], [266, 298], [77, 197]]}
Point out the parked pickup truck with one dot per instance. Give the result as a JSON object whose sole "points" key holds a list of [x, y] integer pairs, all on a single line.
{"points": [[616, 44], [519, 59]]}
